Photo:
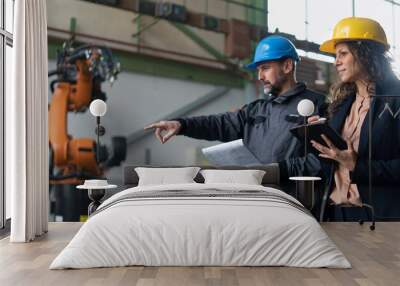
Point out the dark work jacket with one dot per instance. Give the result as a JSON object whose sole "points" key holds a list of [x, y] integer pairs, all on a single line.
{"points": [[263, 125], [385, 147]]}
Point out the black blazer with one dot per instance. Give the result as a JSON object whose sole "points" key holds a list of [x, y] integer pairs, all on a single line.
{"points": [[384, 114]]}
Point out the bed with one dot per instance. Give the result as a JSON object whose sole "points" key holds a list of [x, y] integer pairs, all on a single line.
{"points": [[197, 224]]}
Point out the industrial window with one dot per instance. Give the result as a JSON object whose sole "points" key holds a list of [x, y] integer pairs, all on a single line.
{"points": [[6, 44]]}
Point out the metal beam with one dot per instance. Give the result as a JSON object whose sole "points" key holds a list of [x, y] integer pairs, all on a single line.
{"points": [[198, 40], [72, 25], [206, 99], [392, 2]]}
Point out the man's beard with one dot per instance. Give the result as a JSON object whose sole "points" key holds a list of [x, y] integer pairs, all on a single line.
{"points": [[276, 88], [273, 89]]}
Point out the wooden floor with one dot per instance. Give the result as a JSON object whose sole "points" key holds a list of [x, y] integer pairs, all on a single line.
{"points": [[374, 255]]}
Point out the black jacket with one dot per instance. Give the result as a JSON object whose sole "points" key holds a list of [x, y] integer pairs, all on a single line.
{"points": [[263, 125], [385, 151]]}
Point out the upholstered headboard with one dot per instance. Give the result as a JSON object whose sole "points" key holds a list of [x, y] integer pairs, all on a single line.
{"points": [[271, 177]]}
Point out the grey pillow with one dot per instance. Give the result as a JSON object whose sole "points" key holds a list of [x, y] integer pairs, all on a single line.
{"points": [[248, 177], [162, 176]]}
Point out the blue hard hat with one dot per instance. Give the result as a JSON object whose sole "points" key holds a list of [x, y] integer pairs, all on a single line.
{"points": [[273, 48]]}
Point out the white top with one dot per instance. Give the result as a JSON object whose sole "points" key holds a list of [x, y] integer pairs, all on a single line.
{"points": [[95, 185], [305, 178], [89, 187]]}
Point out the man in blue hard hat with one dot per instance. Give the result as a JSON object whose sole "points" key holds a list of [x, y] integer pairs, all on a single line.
{"points": [[262, 124]]}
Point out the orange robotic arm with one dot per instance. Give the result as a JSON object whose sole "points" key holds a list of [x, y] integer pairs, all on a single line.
{"points": [[80, 73], [72, 155]]}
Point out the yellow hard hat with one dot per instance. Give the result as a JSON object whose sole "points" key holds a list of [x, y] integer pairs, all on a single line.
{"points": [[355, 28]]}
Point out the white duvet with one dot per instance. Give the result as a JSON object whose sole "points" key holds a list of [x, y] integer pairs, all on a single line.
{"points": [[183, 231]]}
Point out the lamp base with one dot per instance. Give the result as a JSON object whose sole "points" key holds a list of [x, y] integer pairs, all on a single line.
{"points": [[95, 195], [305, 190]]}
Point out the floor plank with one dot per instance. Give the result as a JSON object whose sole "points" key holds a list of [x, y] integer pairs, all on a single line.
{"points": [[374, 255]]}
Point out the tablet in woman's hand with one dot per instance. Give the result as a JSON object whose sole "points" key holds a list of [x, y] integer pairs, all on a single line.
{"points": [[314, 132]]}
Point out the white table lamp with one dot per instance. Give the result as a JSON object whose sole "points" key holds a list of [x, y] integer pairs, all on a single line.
{"points": [[98, 108]]}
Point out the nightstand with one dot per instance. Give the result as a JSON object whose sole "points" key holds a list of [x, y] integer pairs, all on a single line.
{"points": [[96, 191], [305, 188]]}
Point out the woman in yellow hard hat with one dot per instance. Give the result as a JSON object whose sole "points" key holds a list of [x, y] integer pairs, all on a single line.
{"points": [[365, 74]]}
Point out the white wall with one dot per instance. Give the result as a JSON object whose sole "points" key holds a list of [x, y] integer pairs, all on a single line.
{"points": [[136, 100], [92, 19]]}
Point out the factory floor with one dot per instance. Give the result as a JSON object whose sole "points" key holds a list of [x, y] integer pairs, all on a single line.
{"points": [[374, 255]]}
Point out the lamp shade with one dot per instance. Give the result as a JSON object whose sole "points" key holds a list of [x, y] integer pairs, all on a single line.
{"points": [[98, 107], [305, 107]]}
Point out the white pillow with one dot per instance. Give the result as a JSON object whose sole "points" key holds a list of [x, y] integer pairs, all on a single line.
{"points": [[248, 177], [162, 176]]}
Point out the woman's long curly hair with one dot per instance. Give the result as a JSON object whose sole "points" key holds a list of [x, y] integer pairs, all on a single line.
{"points": [[373, 61]]}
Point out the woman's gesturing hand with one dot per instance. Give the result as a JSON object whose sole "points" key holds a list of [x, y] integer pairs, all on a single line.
{"points": [[347, 158]]}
